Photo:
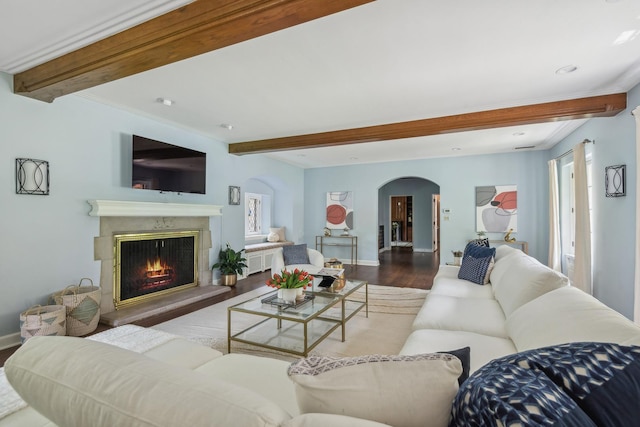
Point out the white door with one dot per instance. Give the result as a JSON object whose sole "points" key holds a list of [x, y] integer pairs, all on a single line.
{"points": [[435, 215]]}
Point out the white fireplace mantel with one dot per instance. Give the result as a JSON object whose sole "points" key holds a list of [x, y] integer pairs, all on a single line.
{"points": [[127, 208]]}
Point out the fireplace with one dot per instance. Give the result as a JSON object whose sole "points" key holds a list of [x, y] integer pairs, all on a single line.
{"points": [[154, 264], [162, 220]]}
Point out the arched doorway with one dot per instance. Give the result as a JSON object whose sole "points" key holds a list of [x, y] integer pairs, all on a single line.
{"points": [[407, 217]]}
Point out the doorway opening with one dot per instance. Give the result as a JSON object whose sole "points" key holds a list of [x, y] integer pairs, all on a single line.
{"points": [[408, 220]]}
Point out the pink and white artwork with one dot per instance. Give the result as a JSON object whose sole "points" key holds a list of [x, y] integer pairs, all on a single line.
{"points": [[340, 210], [497, 208]]}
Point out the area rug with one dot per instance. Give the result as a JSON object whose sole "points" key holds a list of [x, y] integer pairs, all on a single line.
{"points": [[391, 313]]}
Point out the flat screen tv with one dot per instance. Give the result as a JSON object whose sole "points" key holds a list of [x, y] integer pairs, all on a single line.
{"points": [[166, 167]]}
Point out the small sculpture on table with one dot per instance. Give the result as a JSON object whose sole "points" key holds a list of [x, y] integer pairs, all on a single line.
{"points": [[508, 238], [327, 232]]}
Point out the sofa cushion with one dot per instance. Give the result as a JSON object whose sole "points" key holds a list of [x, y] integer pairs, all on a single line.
{"points": [[477, 263], [482, 316], [483, 348], [262, 375], [295, 254], [402, 391], [324, 420], [446, 282], [520, 278], [109, 386], [568, 315]]}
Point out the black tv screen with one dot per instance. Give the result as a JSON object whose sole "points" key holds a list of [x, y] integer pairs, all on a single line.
{"points": [[166, 167]]}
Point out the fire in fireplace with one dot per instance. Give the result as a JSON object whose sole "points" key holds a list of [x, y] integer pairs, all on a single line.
{"points": [[154, 264]]}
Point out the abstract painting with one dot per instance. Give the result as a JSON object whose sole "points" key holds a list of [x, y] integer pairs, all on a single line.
{"points": [[497, 208], [340, 210]]}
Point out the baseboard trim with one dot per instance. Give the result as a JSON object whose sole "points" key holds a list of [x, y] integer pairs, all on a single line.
{"points": [[8, 341]]}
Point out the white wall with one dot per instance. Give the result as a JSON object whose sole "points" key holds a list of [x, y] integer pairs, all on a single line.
{"points": [[47, 241]]}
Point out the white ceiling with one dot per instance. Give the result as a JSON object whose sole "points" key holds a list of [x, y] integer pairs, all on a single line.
{"points": [[383, 62]]}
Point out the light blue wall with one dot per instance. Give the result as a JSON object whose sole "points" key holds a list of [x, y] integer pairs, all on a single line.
{"points": [[613, 218], [47, 241], [457, 177]]}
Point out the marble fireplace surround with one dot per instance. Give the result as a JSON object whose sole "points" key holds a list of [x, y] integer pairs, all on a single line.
{"points": [[125, 217]]}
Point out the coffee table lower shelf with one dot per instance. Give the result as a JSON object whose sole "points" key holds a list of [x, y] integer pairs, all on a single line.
{"points": [[296, 338]]}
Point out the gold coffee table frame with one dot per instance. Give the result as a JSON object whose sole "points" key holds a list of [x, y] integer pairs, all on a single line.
{"points": [[298, 330]]}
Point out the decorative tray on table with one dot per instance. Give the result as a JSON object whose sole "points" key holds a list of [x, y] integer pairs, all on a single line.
{"points": [[282, 304]]}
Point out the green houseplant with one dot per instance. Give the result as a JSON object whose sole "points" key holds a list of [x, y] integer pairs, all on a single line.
{"points": [[230, 263]]}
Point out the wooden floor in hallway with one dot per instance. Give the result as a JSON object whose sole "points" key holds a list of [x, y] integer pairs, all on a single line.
{"points": [[399, 267]]}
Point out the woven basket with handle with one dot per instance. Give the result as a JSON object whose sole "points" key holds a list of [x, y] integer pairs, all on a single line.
{"points": [[43, 320], [83, 307]]}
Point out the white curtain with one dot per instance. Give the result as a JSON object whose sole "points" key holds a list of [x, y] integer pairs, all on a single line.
{"points": [[555, 251], [636, 301], [582, 272]]}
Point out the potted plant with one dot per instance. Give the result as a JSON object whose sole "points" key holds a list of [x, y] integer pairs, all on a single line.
{"points": [[290, 283], [230, 263]]}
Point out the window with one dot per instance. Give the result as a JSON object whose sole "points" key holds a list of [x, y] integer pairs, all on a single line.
{"points": [[253, 214]]}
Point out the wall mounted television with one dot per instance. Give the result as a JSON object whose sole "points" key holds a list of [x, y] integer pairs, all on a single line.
{"points": [[160, 166]]}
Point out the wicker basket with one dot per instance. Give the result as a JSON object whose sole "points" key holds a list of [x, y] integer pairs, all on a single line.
{"points": [[83, 307], [42, 320]]}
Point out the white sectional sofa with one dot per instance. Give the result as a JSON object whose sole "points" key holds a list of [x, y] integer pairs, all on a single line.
{"points": [[79, 382], [526, 305]]}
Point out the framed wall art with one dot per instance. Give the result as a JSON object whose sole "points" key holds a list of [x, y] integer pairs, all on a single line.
{"points": [[32, 177], [339, 210], [234, 195], [497, 208]]}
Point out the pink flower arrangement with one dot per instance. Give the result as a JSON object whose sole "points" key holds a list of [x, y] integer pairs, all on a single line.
{"points": [[290, 280]]}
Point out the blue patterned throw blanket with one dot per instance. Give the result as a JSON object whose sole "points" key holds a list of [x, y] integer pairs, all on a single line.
{"points": [[577, 384]]}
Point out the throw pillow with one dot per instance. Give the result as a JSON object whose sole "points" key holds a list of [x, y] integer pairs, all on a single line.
{"points": [[476, 264], [280, 232], [464, 354], [273, 237], [295, 254], [387, 389], [479, 242], [576, 384]]}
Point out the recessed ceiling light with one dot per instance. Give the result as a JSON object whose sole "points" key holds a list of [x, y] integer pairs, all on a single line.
{"points": [[456, 149], [353, 158], [227, 126], [566, 69], [518, 134], [165, 101]]}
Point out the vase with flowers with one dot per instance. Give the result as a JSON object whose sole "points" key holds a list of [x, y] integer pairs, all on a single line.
{"points": [[291, 283]]}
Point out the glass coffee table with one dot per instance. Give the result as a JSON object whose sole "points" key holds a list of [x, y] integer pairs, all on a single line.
{"points": [[297, 329]]}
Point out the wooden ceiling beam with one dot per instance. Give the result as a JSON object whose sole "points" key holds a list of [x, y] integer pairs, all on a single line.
{"points": [[194, 29], [582, 108]]}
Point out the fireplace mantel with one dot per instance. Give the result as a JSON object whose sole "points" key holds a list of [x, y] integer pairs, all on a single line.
{"points": [[127, 208]]}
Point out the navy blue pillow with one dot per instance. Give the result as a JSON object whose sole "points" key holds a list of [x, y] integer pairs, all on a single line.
{"points": [[295, 254], [475, 263], [464, 354]]}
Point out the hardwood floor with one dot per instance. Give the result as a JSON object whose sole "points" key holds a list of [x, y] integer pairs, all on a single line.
{"points": [[399, 267]]}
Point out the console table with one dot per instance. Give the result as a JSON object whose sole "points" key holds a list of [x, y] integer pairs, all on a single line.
{"points": [[523, 246], [348, 241]]}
